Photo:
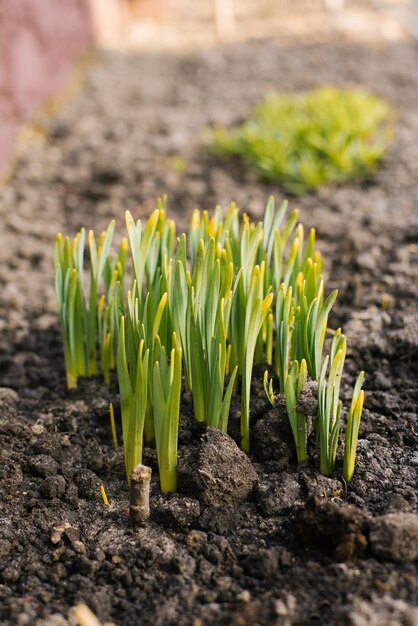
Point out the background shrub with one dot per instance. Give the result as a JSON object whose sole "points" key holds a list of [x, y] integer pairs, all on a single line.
{"points": [[309, 139]]}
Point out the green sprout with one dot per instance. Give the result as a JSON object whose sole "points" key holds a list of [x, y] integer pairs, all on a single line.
{"points": [[268, 388], [329, 404], [166, 386], [133, 391], [284, 330], [98, 259], [71, 304], [353, 425], [219, 227], [210, 295], [301, 313], [161, 249], [108, 316], [179, 279], [242, 250], [280, 240], [272, 222], [312, 320], [329, 409], [140, 242], [143, 319], [115, 265], [295, 383], [256, 312], [307, 140]]}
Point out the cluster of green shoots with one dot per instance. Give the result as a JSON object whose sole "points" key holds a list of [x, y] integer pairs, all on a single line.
{"points": [[306, 140], [201, 310]]}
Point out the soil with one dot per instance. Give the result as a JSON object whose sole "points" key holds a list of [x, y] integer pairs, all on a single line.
{"points": [[287, 546]]}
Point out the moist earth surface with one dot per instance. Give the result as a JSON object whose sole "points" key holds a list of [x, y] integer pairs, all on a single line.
{"points": [[261, 541]]}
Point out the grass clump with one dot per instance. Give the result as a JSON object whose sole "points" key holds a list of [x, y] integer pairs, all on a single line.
{"points": [[201, 310], [306, 140], [78, 311]]}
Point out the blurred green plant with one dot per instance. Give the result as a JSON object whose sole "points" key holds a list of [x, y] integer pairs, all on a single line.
{"points": [[306, 140]]}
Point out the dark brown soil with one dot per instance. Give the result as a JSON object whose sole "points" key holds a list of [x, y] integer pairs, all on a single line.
{"points": [[299, 548]]}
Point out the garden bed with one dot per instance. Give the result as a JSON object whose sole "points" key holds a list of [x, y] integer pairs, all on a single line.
{"points": [[301, 548]]}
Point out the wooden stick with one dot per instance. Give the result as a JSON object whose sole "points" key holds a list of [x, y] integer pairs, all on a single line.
{"points": [[140, 480]]}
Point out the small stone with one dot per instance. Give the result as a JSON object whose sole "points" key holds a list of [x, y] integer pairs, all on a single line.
{"points": [[71, 533], [244, 596], [280, 608], [285, 607], [216, 471], [37, 429], [394, 537], [58, 531]]}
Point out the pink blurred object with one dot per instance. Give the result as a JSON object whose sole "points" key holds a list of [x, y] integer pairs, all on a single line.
{"points": [[39, 42]]}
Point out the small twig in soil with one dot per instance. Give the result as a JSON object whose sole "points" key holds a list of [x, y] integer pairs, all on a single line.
{"points": [[140, 479]]}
